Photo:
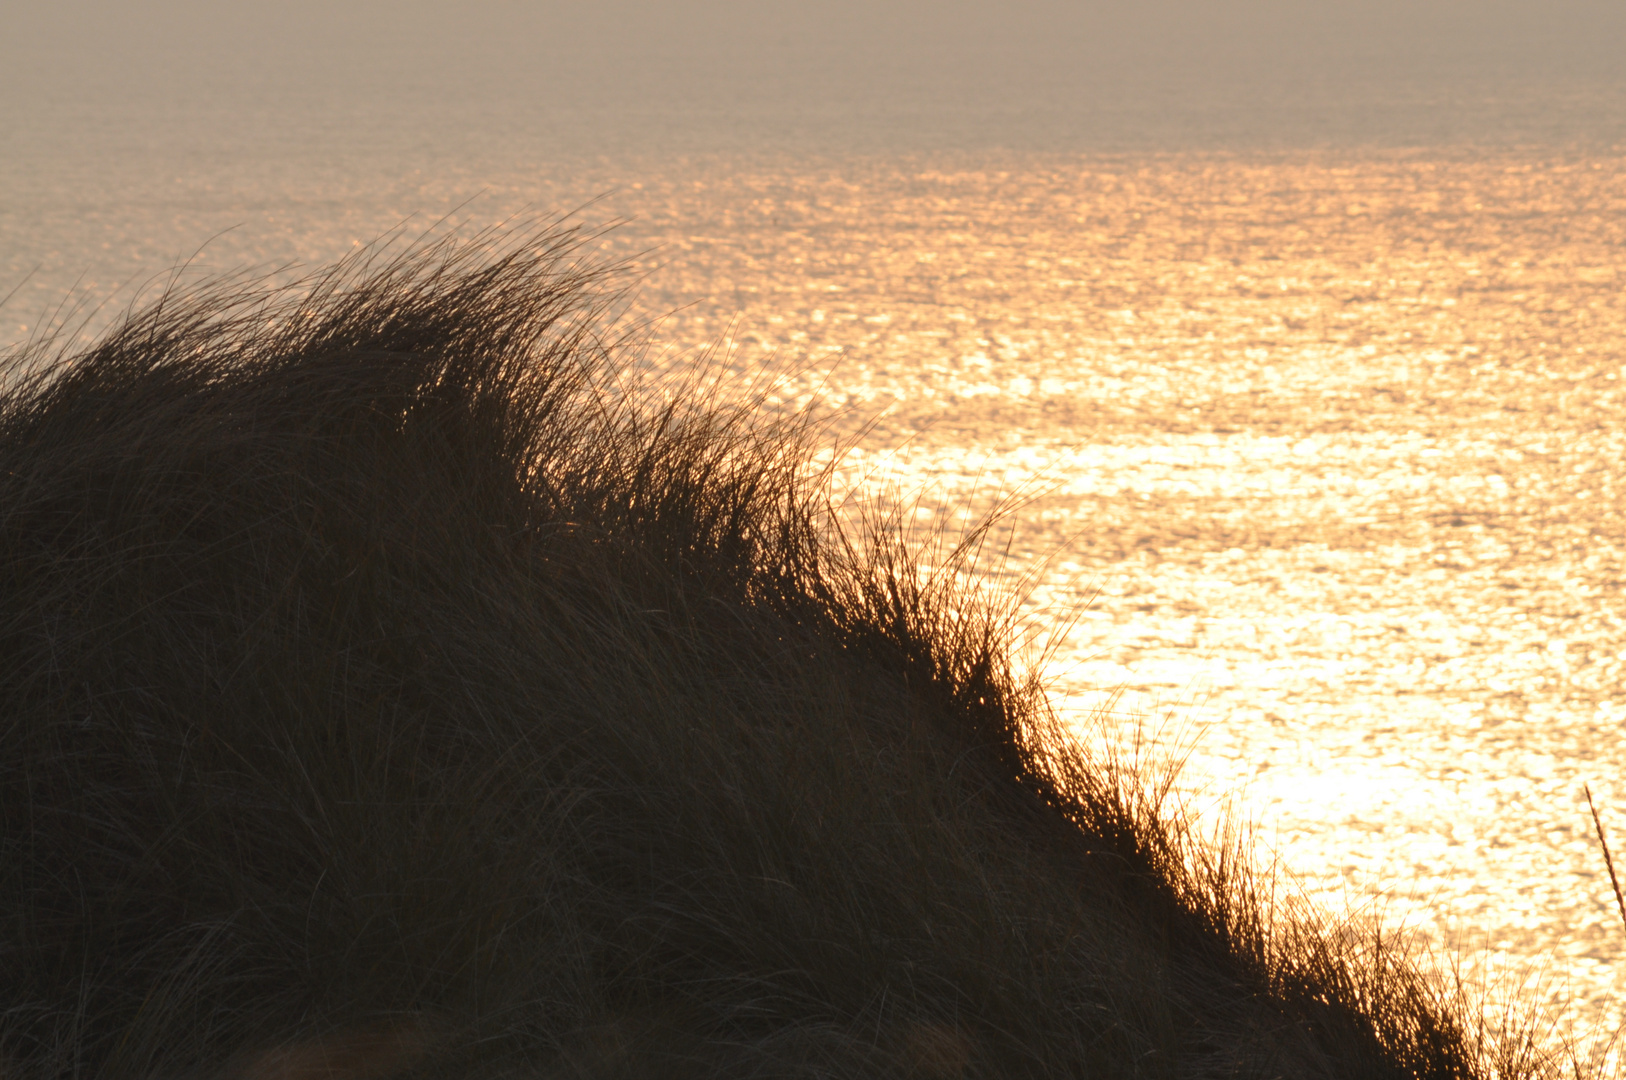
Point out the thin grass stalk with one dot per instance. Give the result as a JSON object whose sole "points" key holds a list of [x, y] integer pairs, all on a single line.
{"points": [[1608, 859]]}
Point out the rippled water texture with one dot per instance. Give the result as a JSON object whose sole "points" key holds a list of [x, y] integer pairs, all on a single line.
{"points": [[1323, 450]]}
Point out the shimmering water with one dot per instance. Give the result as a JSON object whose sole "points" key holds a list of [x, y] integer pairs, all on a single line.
{"points": [[1321, 449], [1324, 453]]}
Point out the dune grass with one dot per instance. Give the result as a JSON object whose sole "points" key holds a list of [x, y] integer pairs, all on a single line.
{"points": [[390, 688]]}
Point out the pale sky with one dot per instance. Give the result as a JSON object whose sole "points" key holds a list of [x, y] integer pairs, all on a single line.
{"points": [[836, 61]]}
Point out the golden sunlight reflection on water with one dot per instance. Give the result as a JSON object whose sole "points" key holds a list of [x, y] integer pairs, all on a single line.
{"points": [[1322, 466], [1322, 455]]}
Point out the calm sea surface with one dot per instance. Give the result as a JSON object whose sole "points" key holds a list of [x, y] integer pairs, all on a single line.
{"points": [[1321, 449]]}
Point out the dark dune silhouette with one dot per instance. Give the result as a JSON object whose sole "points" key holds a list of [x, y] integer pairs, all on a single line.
{"points": [[388, 690]]}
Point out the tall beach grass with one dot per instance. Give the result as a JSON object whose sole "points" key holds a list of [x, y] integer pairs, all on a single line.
{"points": [[391, 689]]}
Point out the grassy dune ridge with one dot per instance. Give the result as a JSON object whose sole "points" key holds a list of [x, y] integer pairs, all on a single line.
{"points": [[392, 688]]}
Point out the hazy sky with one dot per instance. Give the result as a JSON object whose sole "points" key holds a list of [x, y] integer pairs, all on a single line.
{"points": [[835, 61]]}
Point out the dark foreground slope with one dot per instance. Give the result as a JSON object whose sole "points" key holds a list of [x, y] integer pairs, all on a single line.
{"points": [[386, 691]]}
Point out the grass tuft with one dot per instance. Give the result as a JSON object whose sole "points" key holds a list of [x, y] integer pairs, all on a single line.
{"points": [[392, 689]]}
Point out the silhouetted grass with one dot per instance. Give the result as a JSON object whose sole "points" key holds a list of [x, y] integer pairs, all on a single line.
{"points": [[1608, 858], [390, 689]]}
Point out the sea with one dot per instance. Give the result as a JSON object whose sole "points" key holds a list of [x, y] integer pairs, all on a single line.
{"points": [[1305, 413]]}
